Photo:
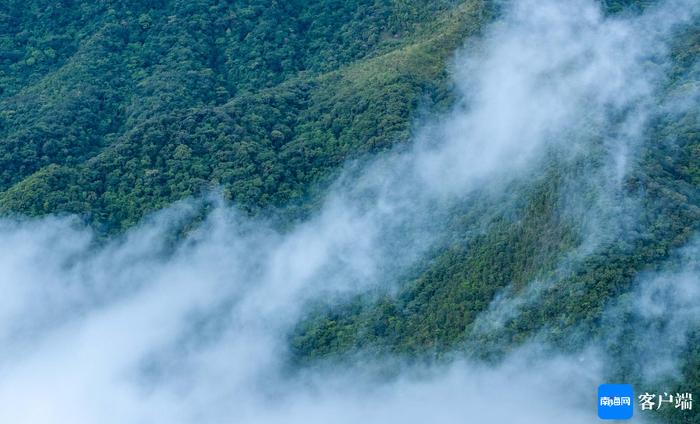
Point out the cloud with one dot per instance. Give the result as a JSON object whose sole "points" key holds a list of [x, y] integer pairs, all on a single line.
{"points": [[137, 329], [654, 320]]}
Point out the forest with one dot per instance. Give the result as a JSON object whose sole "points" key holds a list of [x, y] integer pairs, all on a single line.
{"points": [[113, 110]]}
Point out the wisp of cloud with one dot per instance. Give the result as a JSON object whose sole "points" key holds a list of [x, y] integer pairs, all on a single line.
{"points": [[136, 330]]}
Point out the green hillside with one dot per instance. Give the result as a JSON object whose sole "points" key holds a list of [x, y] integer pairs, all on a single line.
{"points": [[113, 110]]}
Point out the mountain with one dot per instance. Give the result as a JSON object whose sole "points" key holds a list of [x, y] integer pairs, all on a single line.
{"points": [[464, 179], [114, 111]]}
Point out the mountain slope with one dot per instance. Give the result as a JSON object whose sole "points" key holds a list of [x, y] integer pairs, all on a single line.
{"points": [[114, 111], [147, 111]]}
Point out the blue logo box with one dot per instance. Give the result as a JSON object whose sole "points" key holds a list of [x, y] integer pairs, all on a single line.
{"points": [[615, 401]]}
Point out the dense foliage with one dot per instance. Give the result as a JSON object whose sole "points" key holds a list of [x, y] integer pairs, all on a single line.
{"points": [[111, 110]]}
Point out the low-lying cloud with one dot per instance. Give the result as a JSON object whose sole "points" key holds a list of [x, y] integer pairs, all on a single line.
{"points": [[137, 330]]}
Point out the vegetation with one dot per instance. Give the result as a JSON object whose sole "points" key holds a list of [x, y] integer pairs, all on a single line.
{"points": [[111, 110]]}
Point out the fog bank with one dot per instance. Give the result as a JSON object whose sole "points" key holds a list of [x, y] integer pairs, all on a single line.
{"points": [[137, 330]]}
